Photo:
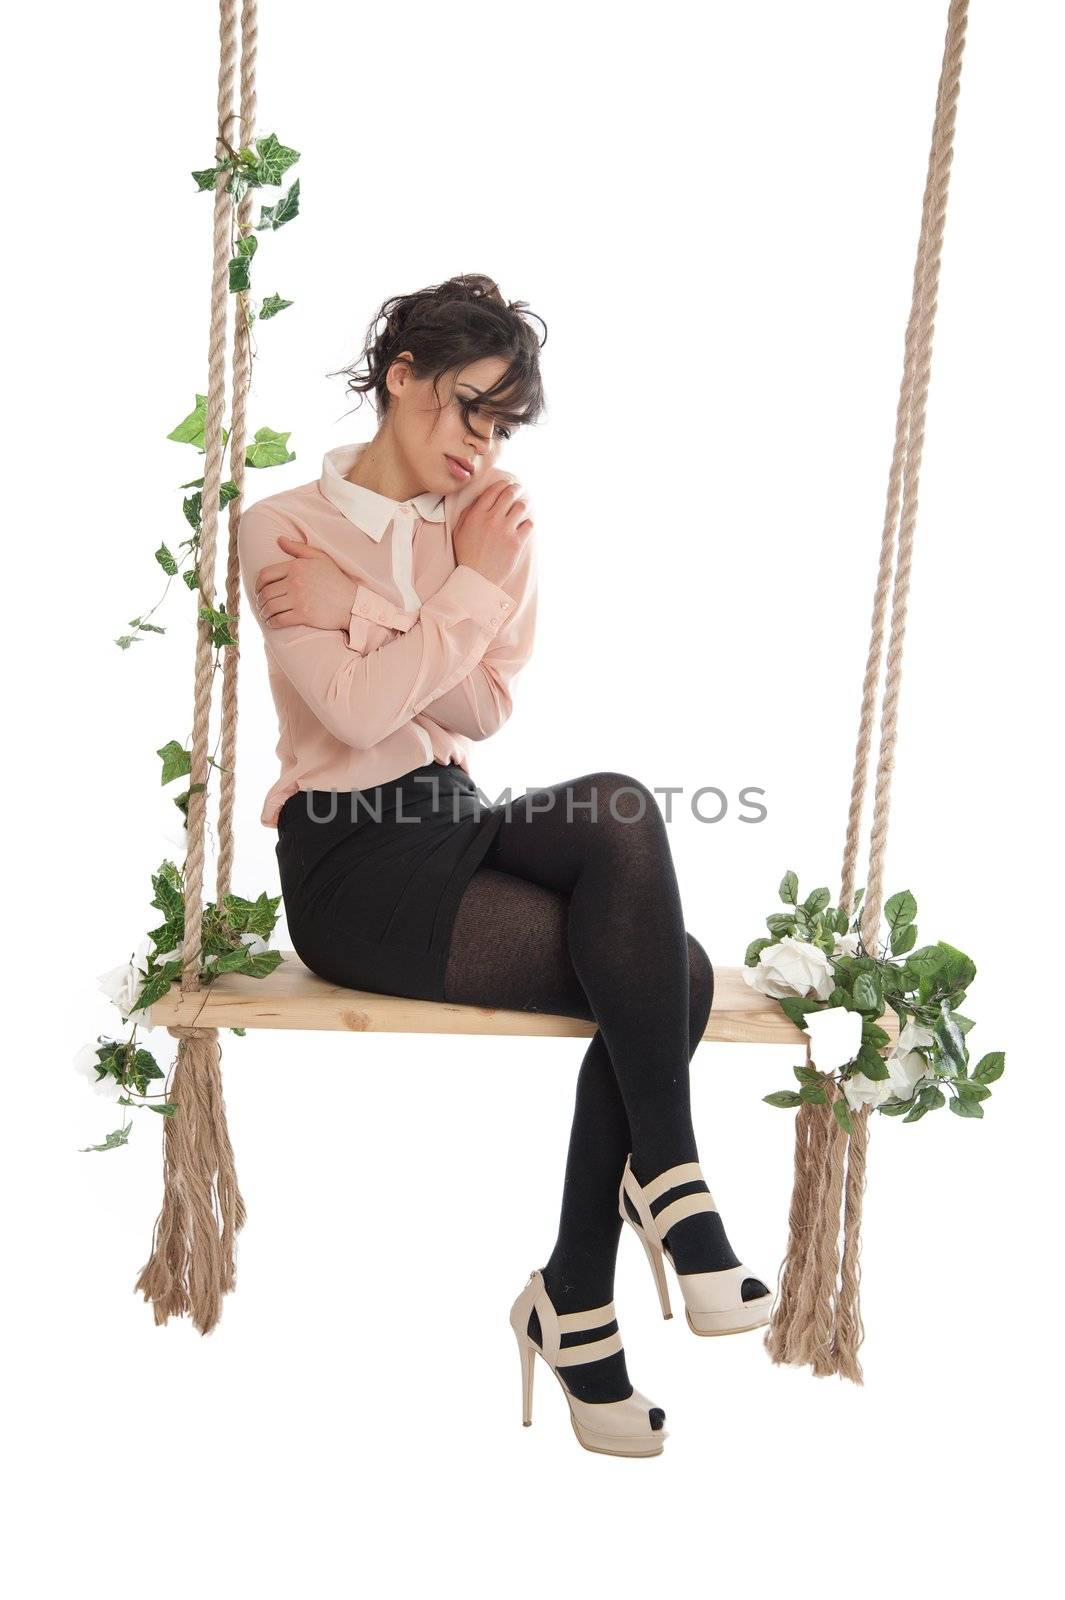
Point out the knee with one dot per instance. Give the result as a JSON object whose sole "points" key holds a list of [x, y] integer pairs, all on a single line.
{"points": [[623, 798], [700, 989]]}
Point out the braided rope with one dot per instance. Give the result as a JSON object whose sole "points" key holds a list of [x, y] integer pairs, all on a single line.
{"points": [[192, 1262], [819, 1321], [249, 29]]}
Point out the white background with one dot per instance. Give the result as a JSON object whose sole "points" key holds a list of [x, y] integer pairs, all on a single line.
{"points": [[715, 211]]}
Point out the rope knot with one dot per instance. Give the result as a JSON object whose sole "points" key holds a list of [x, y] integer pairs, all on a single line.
{"points": [[182, 1030]]}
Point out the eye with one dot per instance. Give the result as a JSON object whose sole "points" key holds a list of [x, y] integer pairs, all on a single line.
{"points": [[468, 408]]}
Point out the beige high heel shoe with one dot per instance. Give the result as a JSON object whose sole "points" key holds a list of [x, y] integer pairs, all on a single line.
{"points": [[612, 1427], [713, 1301]]}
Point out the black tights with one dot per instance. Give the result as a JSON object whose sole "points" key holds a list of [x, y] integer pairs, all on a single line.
{"points": [[576, 911]]}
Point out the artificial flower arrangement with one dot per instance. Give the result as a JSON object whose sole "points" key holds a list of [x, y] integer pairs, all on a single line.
{"points": [[235, 934], [816, 967], [234, 939]]}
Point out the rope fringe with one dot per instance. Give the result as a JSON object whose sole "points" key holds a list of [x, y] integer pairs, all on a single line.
{"points": [[192, 1264]]}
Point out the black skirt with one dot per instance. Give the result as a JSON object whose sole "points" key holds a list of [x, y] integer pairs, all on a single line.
{"points": [[371, 878]]}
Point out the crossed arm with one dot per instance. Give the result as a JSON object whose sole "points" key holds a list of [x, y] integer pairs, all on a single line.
{"points": [[452, 662]]}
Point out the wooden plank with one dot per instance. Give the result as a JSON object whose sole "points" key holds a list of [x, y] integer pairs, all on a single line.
{"points": [[294, 998]]}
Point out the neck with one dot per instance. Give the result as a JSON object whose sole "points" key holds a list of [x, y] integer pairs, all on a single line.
{"points": [[381, 467]]}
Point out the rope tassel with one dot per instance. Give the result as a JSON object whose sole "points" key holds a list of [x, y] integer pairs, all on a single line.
{"points": [[192, 1264], [815, 1318]]}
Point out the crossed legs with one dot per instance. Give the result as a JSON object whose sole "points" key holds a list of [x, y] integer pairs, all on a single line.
{"points": [[576, 911]]}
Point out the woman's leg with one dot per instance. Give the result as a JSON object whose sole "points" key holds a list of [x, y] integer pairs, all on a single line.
{"points": [[601, 839], [509, 948]]}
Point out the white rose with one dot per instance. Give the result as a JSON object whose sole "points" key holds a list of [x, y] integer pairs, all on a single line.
{"points": [[846, 944], [835, 1037], [123, 984], [86, 1062], [254, 943], [792, 967], [905, 1064], [862, 1091]]}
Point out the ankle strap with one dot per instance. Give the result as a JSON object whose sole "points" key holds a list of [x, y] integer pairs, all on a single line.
{"points": [[581, 1321], [685, 1172]]}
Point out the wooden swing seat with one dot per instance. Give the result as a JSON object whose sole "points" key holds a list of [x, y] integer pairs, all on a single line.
{"points": [[293, 997]]}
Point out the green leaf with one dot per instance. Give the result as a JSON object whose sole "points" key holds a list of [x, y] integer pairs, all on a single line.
{"points": [[239, 274], [807, 1074], [965, 1107], [923, 964], [113, 1140], [896, 1108], [754, 950], [970, 1089], [842, 1113], [177, 761], [817, 901], [957, 971], [789, 889], [273, 159], [872, 1064], [796, 1008], [219, 618], [813, 1096], [271, 306], [782, 1097], [167, 1110], [190, 430], [269, 449], [900, 910], [166, 560], [284, 211], [206, 178], [866, 993], [990, 1067], [951, 1042], [903, 939]]}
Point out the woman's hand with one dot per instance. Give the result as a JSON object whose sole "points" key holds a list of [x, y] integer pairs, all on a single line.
{"points": [[310, 590], [492, 531]]}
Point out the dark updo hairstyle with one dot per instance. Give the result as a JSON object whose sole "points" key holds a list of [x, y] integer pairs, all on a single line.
{"points": [[447, 327]]}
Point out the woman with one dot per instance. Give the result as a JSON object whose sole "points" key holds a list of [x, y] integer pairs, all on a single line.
{"points": [[397, 599]]}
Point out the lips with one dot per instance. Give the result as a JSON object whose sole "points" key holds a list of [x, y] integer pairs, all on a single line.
{"points": [[467, 466]]}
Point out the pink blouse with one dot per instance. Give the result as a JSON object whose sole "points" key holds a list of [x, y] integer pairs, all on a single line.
{"points": [[431, 647]]}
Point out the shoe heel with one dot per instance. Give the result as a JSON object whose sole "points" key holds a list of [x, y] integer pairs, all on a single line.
{"points": [[658, 1268], [528, 1357]]}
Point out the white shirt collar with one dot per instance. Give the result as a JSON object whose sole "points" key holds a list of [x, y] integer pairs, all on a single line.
{"points": [[370, 511]]}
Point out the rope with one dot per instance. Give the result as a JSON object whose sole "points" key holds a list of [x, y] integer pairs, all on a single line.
{"points": [[192, 1263], [249, 28], [815, 1319]]}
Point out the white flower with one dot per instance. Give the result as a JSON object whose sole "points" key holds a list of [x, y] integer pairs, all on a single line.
{"points": [[254, 943], [863, 1091], [792, 967], [835, 1037], [86, 1062], [846, 944], [905, 1064], [122, 984]]}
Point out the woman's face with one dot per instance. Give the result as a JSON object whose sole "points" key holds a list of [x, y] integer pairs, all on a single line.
{"points": [[428, 430]]}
